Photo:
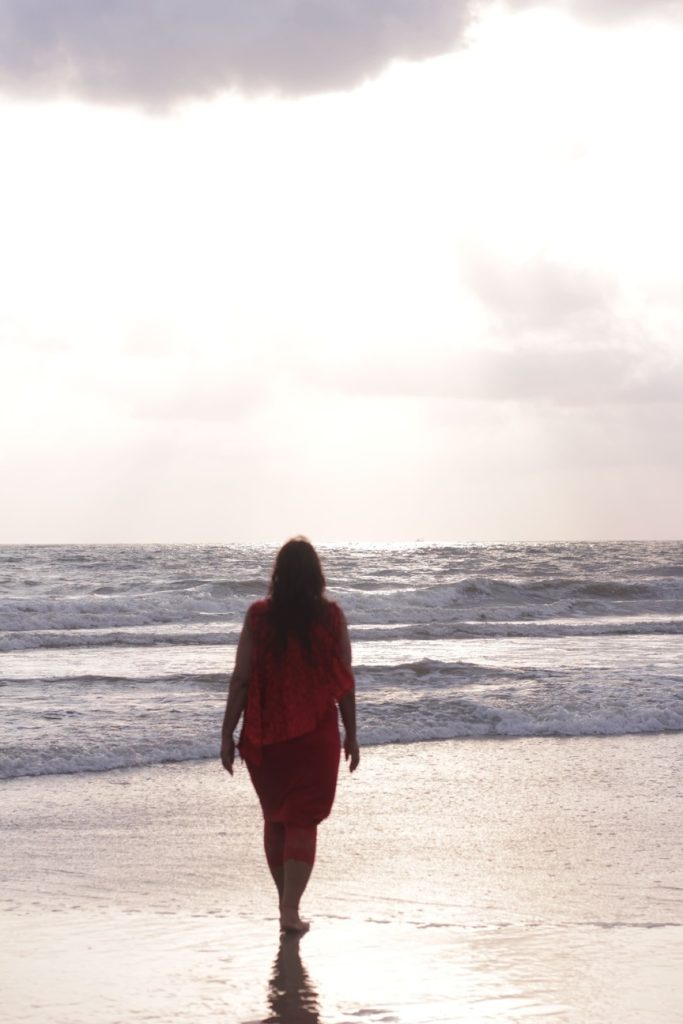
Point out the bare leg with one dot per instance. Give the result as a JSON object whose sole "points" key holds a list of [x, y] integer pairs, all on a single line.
{"points": [[297, 873], [299, 856], [274, 845], [278, 874]]}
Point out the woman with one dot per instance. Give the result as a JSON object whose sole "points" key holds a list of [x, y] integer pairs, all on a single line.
{"points": [[293, 666]]}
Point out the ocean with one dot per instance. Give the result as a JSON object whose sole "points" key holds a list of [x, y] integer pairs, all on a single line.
{"points": [[116, 656]]}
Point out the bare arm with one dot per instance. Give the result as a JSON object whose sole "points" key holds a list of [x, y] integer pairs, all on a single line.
{"points": [[347, 704], [237, 696]]}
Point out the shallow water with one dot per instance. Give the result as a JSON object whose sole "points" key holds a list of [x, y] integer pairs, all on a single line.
{"points": [[505, 880]]}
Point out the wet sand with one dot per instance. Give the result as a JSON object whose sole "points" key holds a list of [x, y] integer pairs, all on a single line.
{"points": [[456, 881]]}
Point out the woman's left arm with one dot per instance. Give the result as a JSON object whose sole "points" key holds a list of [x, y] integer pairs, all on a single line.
{"points": [[347, 703], [237, 696]]}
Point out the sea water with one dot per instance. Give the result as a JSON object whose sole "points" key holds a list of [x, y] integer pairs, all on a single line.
{"points": [[116, 656]]}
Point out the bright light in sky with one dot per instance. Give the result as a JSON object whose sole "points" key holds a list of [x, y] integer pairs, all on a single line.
{"points": [[443, 301]]}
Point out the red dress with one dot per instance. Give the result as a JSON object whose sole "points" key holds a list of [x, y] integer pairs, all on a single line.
{"points": [[290, 735]]}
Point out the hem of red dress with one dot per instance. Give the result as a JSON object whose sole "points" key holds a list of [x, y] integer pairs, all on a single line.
{"points": [[250, 752]]}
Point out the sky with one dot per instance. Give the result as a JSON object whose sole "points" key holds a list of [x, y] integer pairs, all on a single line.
{"points": [[363, 271]]}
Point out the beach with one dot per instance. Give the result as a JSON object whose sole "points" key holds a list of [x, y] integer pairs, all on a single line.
{"points": [[463, 880], [508, 850]]}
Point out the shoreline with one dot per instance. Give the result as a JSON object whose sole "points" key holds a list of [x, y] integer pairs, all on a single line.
{"points": [[199, 761], [455, 880]]}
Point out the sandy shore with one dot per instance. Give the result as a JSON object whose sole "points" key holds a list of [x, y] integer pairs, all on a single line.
{"points": [[458, 881]]}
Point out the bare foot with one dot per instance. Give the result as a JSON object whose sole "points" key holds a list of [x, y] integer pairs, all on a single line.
{"points": [[291, 922]]}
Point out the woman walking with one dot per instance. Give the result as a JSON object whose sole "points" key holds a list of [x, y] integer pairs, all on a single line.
{"points": [[292, 669]]}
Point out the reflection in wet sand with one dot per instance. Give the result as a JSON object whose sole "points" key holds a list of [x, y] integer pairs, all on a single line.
{"points": [[292, 997]]}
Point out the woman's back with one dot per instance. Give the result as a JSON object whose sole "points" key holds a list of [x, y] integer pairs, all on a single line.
{"points": [[294, 683]]}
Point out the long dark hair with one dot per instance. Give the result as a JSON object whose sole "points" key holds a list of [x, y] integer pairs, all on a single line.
{"points": [[296, 593]]}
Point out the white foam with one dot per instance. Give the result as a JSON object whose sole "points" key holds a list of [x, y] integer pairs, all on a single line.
{"points": [[118, 657], [93, 723]]}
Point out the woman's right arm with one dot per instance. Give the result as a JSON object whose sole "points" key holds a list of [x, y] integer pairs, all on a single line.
{"points": [[347, 703], [237, 696]]}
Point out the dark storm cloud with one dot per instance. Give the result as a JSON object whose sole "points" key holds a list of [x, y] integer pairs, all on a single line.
{"points": [[159, 52]]}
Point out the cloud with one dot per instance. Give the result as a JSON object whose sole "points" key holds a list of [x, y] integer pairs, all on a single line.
{"points": [[608, 11], [568, 377], [539, 295], [582, 377], [160, 52], [552, 334], [157, 53]]}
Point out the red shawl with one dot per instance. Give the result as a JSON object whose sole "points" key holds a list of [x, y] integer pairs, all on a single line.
{"points": [[289, 694]]}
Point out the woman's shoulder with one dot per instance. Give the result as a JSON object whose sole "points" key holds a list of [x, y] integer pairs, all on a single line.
{"points": [[258, 609], [257, 620], [333, 612]]}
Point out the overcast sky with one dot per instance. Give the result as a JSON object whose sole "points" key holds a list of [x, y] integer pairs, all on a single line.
{"points": [[367, 271]]}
